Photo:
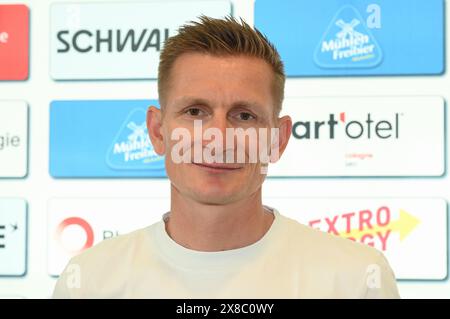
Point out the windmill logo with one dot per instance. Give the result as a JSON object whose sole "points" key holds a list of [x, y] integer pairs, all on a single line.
{"points": [[348, 31], [132, 149], [347, 43], [138, 134]]}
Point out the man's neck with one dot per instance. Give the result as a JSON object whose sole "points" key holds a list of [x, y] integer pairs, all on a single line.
{"points": [[203, 227]]}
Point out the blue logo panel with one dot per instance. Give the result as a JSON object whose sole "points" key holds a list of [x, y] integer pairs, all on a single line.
{"points": [[102, 139], [366, 37]]}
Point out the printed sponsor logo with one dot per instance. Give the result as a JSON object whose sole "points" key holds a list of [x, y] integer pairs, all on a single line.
{"points": [[364, 136], [83, 146], [411, 232], [348, 42], [13, 237], [118, 40], [356, 38], [13, 139], [132, 148], [75, 225], [14, 43]]}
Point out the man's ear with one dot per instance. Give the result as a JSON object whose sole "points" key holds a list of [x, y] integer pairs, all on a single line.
{"points": [[154, 122], [284, 133]]}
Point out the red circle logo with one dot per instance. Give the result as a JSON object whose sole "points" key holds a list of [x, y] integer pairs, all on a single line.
{"points": [[78, 222]]}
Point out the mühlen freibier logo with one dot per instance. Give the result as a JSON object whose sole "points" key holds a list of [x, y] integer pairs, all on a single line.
{"points": [[132, 149], [348, 43]]}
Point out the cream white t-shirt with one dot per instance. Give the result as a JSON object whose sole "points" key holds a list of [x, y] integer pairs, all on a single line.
{"points": [[290, 261]]}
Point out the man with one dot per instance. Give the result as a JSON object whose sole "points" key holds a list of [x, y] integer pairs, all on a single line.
{"points": [[218, 240]]}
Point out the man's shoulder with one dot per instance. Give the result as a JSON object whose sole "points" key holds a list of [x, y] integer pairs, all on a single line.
{"points": [[103, 270], [338, 267], [115, 248], [316, 244]]}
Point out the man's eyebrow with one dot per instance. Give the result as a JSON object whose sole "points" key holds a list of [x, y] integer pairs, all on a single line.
{"points": [[249, 104], [190, 100]]}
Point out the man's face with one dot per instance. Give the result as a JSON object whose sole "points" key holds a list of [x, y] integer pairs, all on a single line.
{"points": [[221, 92]]}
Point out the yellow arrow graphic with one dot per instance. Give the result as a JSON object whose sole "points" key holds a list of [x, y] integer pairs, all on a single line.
{"points": [[404, 225]]}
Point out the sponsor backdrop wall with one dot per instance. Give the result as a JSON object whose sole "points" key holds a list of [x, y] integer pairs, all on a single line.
{"points": [[367, 89]]}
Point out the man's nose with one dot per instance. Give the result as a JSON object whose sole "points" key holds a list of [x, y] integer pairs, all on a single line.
{"points": [[219, 122]]}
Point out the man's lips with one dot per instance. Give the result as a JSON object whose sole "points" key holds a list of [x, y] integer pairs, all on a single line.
{"points": [[218, 166]]}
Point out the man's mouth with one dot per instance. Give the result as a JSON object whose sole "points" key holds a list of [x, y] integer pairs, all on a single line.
{"points": [[218, 167]]}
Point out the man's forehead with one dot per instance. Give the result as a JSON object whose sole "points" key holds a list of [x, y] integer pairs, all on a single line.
{"points": [[223, 58], [195, 65]]}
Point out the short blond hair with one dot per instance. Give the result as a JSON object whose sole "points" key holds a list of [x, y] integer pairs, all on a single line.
{"points": [[221, 37]]}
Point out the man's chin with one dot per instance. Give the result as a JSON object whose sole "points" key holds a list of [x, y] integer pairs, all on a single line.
{"points": [[215, 197]]}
